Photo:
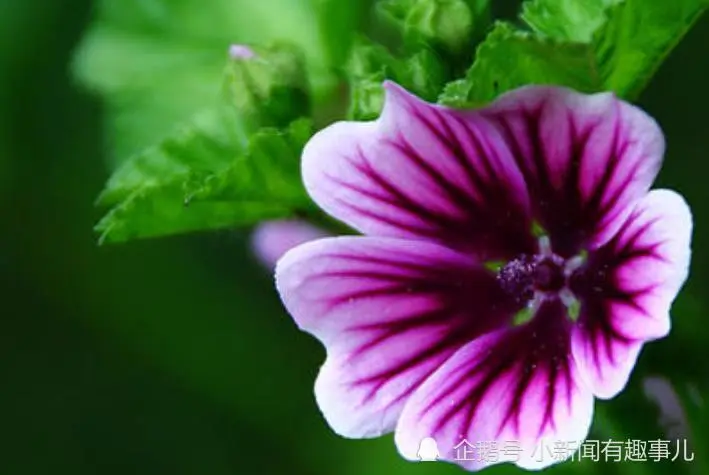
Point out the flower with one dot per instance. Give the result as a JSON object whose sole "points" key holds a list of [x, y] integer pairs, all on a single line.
{"points": [[271, 239], [513, 264]]}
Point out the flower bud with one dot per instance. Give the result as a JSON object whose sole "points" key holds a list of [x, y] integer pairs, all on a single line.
{"points": [[450, 25], [366, 98], [268, 86]]}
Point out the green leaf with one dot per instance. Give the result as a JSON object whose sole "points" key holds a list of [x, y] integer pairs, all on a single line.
{"points": [[510, 58], [591, 46], [639, 35], [201, 179], [629, 39], [456, 94], [574, 20], [268, 171], [208, 143]]}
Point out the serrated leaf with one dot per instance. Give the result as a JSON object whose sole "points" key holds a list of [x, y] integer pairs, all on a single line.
{"points": [[591, 46], [269, 171], [212, 139], [455, 94], [574, 20], [200, 181], [629, 38], [510, 58], [162, 211]]}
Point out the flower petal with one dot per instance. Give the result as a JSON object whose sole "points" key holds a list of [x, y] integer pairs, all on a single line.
{"points": [[389, 312], [627, 289], [271, 239], [585, 158], [513, 386], [422, 171]]}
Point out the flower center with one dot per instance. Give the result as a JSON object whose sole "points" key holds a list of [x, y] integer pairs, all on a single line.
{"points": [[525, 276], [529, 279], [548, 275]]}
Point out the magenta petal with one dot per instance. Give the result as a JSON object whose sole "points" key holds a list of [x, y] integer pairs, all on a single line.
{"points": [[389, 313], [425, 172], [271, 239], [627, 290], [517, 387], [585, 158]]}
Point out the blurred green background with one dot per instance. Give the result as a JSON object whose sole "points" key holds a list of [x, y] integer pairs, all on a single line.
{"points": [[174, 355]]}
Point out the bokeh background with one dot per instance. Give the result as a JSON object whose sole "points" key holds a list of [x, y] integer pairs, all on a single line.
{"points": [[174, 355]]}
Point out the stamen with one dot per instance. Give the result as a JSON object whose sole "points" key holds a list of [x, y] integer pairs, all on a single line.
{"points": [[530, 279], [494, 266], [538, 230], [526, 276], [572, 303], [576, 262], [524, 316], [545, 246], [517, 278]]}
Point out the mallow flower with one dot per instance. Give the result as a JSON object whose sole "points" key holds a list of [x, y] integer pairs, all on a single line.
{"points": [[513, 263]]}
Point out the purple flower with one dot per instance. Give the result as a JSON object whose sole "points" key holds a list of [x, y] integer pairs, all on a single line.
{"points": [[271, 239], [237, 51], [514, 262]]}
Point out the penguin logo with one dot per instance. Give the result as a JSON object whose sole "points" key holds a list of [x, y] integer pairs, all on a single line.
{"points": [[428, 450]]}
